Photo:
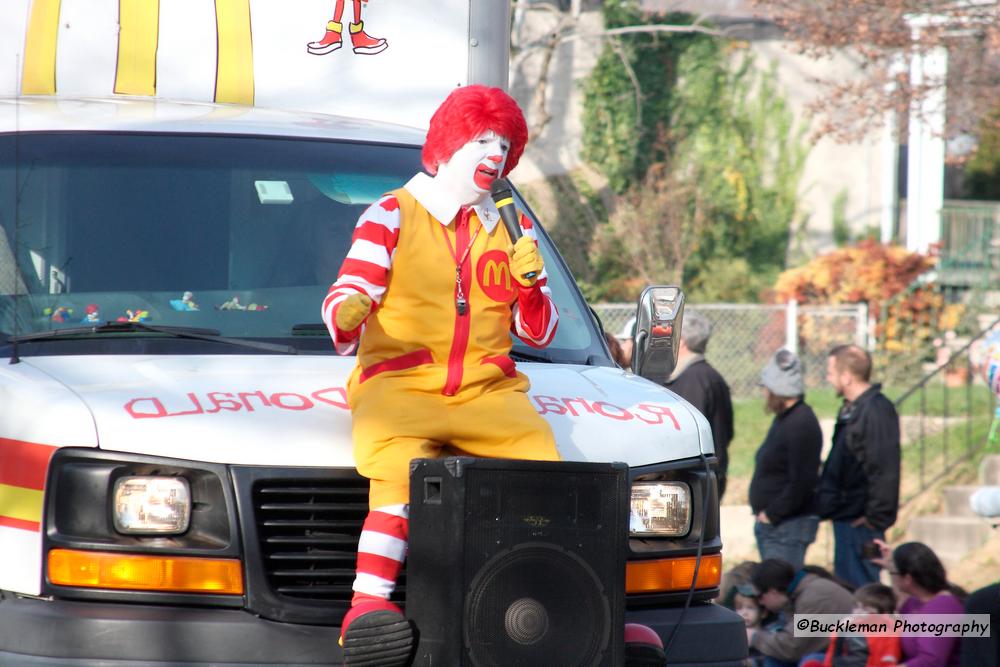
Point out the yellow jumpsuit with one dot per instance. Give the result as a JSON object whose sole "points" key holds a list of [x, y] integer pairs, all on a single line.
{"points": [[430, 382]]}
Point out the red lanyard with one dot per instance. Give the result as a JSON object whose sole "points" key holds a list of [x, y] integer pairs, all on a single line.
{"points": [[461, 304]]}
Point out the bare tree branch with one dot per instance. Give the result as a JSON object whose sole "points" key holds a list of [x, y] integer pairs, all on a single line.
{"points": [[572, 36], [565, 32], [887, 36], [538, 7], [542, 115], [653, 27], [620, 52]]}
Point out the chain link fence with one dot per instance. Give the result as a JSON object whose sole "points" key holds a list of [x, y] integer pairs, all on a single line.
{"points": [[744, 336]]}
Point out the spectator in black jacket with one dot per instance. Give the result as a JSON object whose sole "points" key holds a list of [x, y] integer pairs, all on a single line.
{"points": [[786, 470], [859, 486], [694, 380]]}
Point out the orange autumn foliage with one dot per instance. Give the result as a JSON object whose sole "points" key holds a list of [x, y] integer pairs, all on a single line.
{"points": [[908, 316], [868, 272]]}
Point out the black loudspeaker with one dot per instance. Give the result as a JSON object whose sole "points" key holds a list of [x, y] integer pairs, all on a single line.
{"points": [[517, 562]]}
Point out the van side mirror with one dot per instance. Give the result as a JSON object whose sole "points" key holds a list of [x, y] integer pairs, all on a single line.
{"points": [[658, 332]]}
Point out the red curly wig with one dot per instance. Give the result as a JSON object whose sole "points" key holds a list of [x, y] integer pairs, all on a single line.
{"points": [[464, 115]]}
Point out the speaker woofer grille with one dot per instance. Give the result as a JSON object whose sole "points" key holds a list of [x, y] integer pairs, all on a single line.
{"points": [[526, 621], [536, 604]]}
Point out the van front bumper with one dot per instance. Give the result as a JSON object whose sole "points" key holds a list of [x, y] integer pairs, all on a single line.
{"points": [[47, 633], [710, 635], [35, 633]]}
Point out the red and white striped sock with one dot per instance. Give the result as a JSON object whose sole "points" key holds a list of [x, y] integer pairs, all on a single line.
{"points": [[381, 552]]}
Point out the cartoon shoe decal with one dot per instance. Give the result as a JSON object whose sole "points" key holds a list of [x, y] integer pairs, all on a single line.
{"points": [[361, 42], [332, 40], [365, 44]]}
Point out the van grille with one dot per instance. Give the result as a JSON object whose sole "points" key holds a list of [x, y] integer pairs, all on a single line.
{"points": [[308, 532]]}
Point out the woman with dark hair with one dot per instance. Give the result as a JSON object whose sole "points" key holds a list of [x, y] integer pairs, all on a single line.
{"points": [[919, 577]]}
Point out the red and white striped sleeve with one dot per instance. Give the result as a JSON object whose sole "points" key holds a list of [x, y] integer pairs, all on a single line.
{"points": [[365, 269], [535, 315]]}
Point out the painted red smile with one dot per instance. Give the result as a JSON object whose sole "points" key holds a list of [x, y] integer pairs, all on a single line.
{"points": [[485, 176]]}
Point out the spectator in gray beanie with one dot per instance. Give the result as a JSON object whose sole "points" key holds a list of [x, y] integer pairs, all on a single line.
{"points": [[786, 470], [697, 382]]}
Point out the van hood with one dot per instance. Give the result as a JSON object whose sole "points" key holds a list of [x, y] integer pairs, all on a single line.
{"points": [[293, 411]]}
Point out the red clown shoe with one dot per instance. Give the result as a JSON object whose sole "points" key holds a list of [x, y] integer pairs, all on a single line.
{"points": [[376, 634], [363, 43]]}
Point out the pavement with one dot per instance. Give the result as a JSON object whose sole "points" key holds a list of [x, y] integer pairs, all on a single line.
{"points": [[739, 543]]}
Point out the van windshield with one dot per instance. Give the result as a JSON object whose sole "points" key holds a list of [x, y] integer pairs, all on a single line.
{"points": [[237, 234]]}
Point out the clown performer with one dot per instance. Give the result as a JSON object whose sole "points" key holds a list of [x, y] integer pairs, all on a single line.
{"points": [[429, 293], [361, 42]]}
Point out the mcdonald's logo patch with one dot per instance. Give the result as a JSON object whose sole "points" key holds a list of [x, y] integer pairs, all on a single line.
{"points": [[493, 274]]}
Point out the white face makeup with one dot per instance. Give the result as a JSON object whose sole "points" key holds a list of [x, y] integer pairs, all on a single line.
{"points": [[472, 169]]}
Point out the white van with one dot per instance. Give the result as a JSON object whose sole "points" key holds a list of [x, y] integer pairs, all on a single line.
{"points": [[176, 478]]}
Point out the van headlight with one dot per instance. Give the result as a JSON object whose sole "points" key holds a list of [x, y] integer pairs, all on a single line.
{"points": [[660, 509], [151, 505]]}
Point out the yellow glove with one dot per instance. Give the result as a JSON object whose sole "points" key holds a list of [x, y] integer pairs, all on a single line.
{"points": [[352, 312], [525, 258]]}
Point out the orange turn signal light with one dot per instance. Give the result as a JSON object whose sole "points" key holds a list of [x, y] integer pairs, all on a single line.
{"points": [[97, 569], [672, 574]]}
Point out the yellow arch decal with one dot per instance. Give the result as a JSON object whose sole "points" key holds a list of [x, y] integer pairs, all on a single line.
{"points": [[138, 38], [38, 76], [495, 272], [234, 66]]}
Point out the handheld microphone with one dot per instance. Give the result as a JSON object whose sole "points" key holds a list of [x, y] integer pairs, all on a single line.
{"points": [[503, 197]]}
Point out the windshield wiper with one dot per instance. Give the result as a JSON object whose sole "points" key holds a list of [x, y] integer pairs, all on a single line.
{"points": [[310, 329], [212, 335], [518, 355]]}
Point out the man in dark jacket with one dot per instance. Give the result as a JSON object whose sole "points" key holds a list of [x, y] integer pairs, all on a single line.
{"points": [[786, 468], [859, 486], [694, 380]]}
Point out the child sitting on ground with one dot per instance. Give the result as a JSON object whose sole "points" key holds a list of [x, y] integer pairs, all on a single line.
{"points": [[873, 603], [748, 609], [746, 604]]}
